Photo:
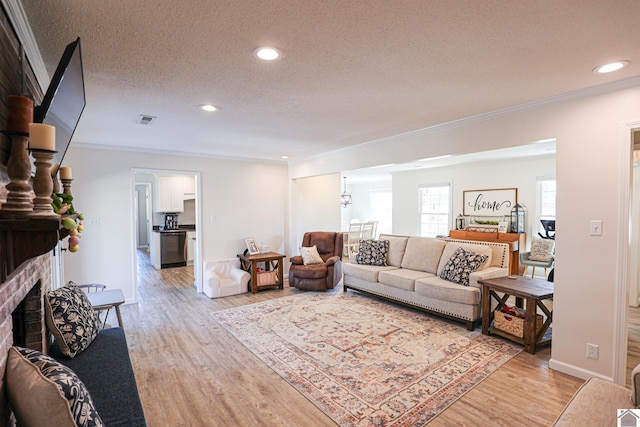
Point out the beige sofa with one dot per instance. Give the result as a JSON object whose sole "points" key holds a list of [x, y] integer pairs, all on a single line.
{"points": [[596, 403], [412, 275]]}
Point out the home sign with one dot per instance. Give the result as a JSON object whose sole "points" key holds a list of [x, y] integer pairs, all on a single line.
{"points": [[496, 202]]}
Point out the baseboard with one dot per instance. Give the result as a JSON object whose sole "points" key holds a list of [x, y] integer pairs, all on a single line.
{"points": [[575, 371]]}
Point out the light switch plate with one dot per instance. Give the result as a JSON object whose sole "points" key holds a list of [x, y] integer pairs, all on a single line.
{"points": [[596, 227]]}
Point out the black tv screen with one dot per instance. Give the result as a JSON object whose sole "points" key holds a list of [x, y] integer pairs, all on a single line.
{"points": [[64, 100]]}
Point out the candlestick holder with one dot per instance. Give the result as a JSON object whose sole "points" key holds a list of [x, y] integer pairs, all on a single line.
{"points": [[56, 184], [18, 202], [66, 185], [43, 184]]}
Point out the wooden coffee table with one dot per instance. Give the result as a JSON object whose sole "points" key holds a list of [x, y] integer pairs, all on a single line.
{"points": [[271, 260], [533, 291]]}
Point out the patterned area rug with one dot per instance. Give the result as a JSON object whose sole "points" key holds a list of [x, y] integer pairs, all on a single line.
{"points": [[366, 362]]}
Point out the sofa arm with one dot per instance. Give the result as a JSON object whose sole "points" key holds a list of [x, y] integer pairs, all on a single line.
{"points": [[487, 273], [240, 276], [332, 260], [297, 259]]}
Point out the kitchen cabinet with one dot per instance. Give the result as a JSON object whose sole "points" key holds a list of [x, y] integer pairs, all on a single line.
{"points": [[189, 187], [154, 250], [169, 194]]}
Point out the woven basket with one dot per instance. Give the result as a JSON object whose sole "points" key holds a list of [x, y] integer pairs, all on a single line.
{"points": [[266, 278], [513, 325]]}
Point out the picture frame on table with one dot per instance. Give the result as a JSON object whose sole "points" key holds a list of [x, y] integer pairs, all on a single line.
{"points": [[252, 246], [503, 227]]}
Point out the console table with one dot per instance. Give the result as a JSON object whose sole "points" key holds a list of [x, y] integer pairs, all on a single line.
{"points": [[533, 291], [272, 261]]}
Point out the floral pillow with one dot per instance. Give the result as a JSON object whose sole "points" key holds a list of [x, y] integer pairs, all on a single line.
{"points": [[71, 319], [372, 252], [43, 392], [461, 264]]}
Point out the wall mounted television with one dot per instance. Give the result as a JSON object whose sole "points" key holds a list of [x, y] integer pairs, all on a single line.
{"points": [[64, 101]]}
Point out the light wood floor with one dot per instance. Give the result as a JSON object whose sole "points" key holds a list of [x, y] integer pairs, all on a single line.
{"points": [[191, 372]]}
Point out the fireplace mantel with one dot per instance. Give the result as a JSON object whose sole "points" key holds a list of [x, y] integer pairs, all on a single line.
{"points": [[23, 239]]}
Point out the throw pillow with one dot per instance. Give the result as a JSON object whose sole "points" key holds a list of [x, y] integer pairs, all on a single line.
{"points": [[310, 255], [372, 252], [71, 319], [43, 392], [461, 264], [541, 250]]}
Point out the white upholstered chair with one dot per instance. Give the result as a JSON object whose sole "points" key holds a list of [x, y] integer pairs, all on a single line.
{"points": [[224, 277]]}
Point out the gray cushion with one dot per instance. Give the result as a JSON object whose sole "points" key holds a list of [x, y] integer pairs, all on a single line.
{"points": [[401, 278], [397, 246], [423, 254]]}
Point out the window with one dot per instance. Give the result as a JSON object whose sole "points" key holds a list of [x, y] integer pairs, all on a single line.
{"points": [[381, 209], [435, 209], [546, 203]]}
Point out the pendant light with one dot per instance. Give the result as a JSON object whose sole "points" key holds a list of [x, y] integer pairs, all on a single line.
{"points": [[345, 198]]}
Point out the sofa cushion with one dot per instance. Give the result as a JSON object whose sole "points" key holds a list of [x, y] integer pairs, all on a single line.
{"points": [[43, 392], [451, 247], [372, 252], [440, 289], [397, 246], [310, 255], [364, 272], [423, 254], [71, 319], [401, 278], [461, 264]]}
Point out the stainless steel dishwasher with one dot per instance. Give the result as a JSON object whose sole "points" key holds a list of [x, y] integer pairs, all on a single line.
{"points": [[173, 248]]}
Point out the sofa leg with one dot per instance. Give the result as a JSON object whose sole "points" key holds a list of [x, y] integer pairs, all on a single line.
{"points": [[470, 325]]}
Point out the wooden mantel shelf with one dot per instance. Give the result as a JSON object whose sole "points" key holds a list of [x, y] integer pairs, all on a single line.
{"points": [[23, 239]]}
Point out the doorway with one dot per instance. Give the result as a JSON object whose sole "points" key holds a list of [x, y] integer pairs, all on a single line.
{"points": [[148, 216], [633, 294]]}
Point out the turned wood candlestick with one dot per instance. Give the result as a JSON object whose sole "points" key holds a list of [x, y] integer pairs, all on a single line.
{"points": [[43, 185], [66, 185], [19, 171]]}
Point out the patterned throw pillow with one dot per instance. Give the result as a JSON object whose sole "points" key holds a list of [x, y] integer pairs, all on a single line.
{"points": [[372, 252], [541, 250], [71, 319], [461, 264], [310, 255], [43, 392]]}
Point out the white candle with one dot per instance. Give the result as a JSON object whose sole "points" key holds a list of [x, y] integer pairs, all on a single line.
{"points": [[65, 173], [42, 137]]}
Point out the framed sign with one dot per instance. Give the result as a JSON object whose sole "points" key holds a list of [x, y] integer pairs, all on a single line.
{"points": [[496, 202]]}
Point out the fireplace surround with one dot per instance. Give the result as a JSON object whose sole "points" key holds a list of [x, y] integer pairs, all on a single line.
{"points": [[21, 302]]}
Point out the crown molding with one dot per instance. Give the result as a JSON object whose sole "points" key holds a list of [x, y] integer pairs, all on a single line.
{"points": [[20, 23]]}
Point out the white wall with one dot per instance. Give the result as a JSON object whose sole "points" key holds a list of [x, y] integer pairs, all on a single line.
{"points": [[520, 174], [593, 176], [315, 206], [238, 200]]}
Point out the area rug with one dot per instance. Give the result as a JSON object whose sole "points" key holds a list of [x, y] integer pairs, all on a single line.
{"points": [[363, 361]]}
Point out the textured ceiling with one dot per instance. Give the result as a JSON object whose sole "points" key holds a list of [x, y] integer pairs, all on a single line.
{"points": [[353, 71]]}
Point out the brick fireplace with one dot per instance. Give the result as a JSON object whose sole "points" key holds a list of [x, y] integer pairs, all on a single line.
{"points": [[21, 302]]}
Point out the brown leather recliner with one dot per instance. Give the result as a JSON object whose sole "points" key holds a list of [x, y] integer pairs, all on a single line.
{"points": [[318, 277]]}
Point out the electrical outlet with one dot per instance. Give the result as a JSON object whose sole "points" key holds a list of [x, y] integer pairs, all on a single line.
{"points": [[592, 351]]}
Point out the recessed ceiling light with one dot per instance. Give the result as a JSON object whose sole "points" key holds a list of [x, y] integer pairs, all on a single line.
{"points": [[208, 107], [611, 67], [267, 53]]}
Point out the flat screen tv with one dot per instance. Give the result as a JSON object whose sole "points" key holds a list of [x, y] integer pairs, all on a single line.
{"points": [[64, 100]]}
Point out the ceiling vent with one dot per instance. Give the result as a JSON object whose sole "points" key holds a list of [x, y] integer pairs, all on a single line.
{"points": [[145, 120]]}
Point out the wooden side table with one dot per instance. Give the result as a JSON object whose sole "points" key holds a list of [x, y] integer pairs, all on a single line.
{"points": [[533, 291], [272, 261]]}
